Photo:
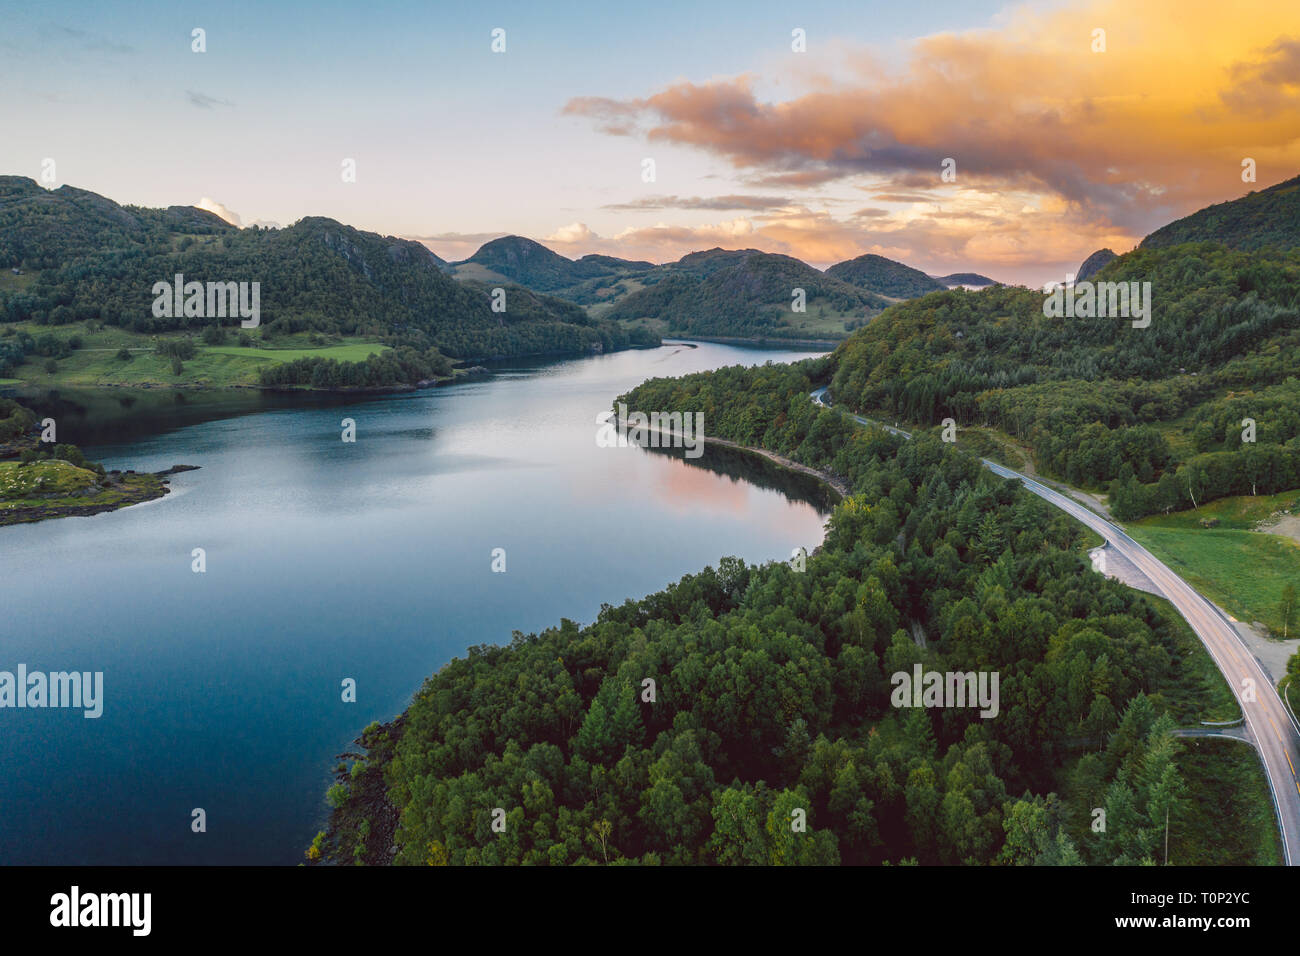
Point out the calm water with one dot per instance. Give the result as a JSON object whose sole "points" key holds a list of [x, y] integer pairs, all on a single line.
{"points": [[328, 560]]}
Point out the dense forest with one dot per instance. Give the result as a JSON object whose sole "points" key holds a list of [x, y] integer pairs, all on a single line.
{"points": [[1155, 415], [95, 260], [772, 691]]}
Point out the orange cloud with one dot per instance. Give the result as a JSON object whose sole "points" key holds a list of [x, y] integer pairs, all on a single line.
{"points": [[1059, 148]]}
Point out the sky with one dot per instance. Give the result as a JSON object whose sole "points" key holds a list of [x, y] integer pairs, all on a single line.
{"points": [[1062, 140]]}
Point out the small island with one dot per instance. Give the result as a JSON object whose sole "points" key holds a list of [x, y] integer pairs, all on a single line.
{"points": [[40, 480]]}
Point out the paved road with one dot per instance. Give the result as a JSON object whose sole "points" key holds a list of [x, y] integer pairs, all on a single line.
{"points": [[1273, 730]]}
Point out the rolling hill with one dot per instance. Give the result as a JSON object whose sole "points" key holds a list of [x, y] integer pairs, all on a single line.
{"points": [[884, 277], [533, 265], [746, 293]]}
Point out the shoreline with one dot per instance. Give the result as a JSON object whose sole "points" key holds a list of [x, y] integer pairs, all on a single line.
{"points": [[834, 482], [839, 485], [371, 794], [764, 342], [135, 488]]}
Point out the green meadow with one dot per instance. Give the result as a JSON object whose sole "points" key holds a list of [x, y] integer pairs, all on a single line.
{"points": [[53, 488], [99, 360], [1240, 569]]}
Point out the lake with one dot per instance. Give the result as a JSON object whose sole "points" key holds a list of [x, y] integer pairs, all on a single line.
{"points": [[328, 560]]}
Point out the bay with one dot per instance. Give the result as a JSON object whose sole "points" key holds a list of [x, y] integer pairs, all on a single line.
{"points": [[328, 560]]}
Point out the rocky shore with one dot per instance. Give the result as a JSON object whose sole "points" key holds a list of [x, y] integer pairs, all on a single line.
{"points": [[122, 489]]}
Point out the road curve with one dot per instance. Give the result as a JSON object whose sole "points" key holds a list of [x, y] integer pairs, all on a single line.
{"points": [[1275, 732]]}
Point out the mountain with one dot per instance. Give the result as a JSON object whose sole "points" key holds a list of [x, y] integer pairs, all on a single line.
{"points": [[41, 228], [88, 258], [520, 260], [965, 279], [533, 265], [1093, 264], [1268, 218], [884, 277], [746, 293], [611, 264]]}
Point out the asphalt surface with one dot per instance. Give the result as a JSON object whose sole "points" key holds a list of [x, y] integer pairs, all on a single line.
{"points": [[1272, 730]]}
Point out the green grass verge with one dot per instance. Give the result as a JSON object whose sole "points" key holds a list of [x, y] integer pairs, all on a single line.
{"points": [[1242, 571]]}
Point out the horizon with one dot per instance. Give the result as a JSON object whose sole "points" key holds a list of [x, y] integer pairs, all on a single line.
{"points": [[455, 262], [225, 216], [824, 146]]}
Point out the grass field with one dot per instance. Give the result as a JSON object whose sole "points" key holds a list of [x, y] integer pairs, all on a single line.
{"points": [[821, 320], [616, 293], [1241, 570], [1242, 513], [43, 479], [480, 273], [96, 363], [351, 352]]}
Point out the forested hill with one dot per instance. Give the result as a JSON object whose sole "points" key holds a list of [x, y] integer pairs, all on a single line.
{"points": [[884, 276], [44, 228], [87, 258], [773, 693], [533, 265], [1153, 415], [964, 278], [716, 292], [746, 293], [1269, 218]]}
